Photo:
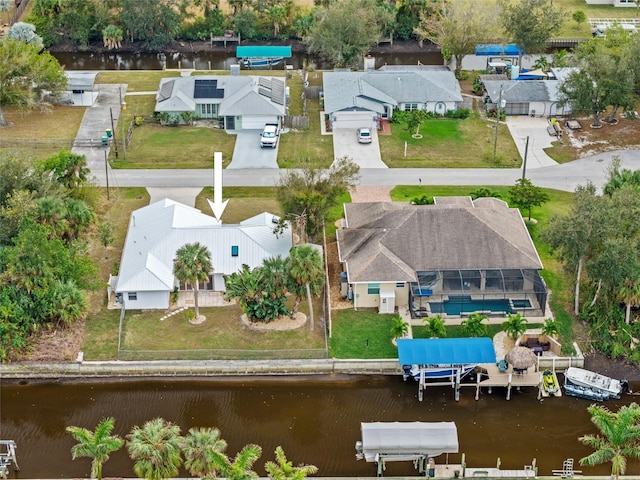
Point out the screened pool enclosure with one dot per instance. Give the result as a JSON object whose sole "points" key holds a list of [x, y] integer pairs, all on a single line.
{"points": [[491, 292]]}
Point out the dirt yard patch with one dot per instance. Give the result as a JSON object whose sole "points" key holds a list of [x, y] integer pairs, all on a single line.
{"points": [[625, 134]]}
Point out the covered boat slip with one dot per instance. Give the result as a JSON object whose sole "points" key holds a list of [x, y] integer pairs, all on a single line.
{"points": [[406, 441], [420, 442], [261, 56], [455, 355]]}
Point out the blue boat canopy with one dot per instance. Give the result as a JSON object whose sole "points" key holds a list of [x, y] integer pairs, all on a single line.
{"points": [[497, 50], [263, 52], [445, 351]]}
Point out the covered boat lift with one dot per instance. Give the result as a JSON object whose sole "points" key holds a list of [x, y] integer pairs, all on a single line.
{"points": [[455, 355], [262, 56], [406, 441]]}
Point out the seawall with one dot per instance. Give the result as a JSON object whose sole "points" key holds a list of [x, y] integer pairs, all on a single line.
{"points": [[188, 368]]}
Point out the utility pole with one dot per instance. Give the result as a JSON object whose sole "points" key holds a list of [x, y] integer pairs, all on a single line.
{"points": [[106, 173], [113, 132], [498, 108], [524, 164], [123, 106]]}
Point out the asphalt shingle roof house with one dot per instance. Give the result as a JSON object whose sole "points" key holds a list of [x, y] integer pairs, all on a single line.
{"points": [[424, 256], [528, 97], [157, 231], [239, 102], [351, 97]]}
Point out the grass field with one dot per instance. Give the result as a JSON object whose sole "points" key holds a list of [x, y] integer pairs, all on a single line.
{"points": [[41, 133], [450, 143], [572, 29]]}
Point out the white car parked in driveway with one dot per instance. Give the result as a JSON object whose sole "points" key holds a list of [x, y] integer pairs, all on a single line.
{"points": [[364, 135]]}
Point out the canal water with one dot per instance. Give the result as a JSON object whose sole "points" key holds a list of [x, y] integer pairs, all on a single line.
{"points": [[216, 60], [315, 419]]}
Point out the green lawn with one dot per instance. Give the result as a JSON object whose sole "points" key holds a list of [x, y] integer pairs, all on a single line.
{"points": [[136, 80], [450, 143], [572, 29], [41, 134], [361, 334], [244, 202], [159, 146]]}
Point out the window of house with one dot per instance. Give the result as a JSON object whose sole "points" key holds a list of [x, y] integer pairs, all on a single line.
{"points": [[234, 250], [410, 106], [373, 289], [132, 295], [399, 284]]}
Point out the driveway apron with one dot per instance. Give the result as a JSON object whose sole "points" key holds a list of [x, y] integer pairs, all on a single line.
{"points": [[367, 155], [522, 127], [247, 152]]}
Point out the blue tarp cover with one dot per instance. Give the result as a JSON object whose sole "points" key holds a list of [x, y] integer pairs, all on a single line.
{"points": [[496, 50], [263, 52], [445, 351]]}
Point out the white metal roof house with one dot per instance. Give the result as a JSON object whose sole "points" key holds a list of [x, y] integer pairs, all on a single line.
{"points": [[157, 231], [452, 258], [239, 102], [357, 99]]}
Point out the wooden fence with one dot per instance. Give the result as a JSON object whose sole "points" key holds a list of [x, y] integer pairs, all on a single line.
{"points": [[312, 92], [296, 121]]}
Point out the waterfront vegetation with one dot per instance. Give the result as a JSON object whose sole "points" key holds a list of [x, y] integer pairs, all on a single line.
{"points": [[159, 450]]}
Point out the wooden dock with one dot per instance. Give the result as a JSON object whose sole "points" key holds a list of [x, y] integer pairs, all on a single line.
{"points": [[493, 377]]}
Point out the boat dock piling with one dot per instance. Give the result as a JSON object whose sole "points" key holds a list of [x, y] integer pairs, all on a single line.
{"points": [[508, 379], [7, 457]]}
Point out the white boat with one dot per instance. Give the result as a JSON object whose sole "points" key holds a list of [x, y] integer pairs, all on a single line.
{"points": [[602, 385], [435, 371]]}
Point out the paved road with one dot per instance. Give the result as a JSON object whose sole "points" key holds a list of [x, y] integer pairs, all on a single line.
{"points": [[561, 177]]}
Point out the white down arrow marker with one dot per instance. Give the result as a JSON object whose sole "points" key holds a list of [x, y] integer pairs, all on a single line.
{"points": [[217, 206]]}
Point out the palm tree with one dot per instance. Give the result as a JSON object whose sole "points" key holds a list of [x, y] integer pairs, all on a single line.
{"points": [[620, 437], [240, 468], [629, 293], [193, 264], [435, 326], [284, 469], [96, 445], [515, 325], [399, 327], [305, 268], [203, 452], [550, 328], [473, 326], [155, 449]]}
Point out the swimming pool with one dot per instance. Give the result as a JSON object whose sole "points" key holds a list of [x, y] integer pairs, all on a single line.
{"points": [[457, 304]]}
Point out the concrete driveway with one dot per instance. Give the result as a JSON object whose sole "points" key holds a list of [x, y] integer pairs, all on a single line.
{"points": [[248, 154], [522, 127], [367, 155]]}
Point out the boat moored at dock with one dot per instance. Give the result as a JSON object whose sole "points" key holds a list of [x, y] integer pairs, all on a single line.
{"points": [[583, 383]]}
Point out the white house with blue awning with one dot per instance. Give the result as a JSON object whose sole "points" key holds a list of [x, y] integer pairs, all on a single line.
{"points": [[443, 361]]}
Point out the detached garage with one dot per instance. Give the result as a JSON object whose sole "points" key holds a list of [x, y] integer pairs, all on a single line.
{"points": [[353, 120]]}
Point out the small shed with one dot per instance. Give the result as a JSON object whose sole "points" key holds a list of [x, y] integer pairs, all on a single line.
{"points": [[387, 299], [80, 87]]}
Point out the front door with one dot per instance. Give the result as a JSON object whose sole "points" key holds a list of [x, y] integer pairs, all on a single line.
{"points": [[230, 123]]}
